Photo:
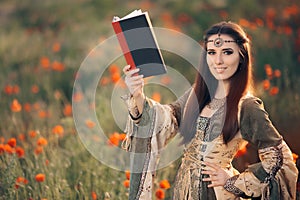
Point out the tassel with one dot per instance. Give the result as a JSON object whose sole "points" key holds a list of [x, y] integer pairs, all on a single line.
{"points": [[126, 143]]}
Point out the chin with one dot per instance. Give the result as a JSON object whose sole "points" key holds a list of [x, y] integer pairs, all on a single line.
{"points": [[222, 79], [219, 77]]}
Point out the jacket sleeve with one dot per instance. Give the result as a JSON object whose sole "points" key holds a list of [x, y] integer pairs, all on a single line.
{"points": [[146, 138], [274, 177], [162, 120]]}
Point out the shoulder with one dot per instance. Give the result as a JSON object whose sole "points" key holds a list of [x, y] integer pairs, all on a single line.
{"points": [[255, 124], [251, 103], [251, 108]]}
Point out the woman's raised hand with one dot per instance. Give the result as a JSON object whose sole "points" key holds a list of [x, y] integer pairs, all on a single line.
{"points": [[133, 81]]}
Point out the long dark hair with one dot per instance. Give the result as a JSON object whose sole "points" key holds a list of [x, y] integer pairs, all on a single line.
{"points": [[205, 84]]}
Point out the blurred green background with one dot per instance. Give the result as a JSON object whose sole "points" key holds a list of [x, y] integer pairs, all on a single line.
{"points": [[42, 45]]}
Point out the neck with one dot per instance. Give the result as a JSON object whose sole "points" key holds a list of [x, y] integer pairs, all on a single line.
{"points": [[222, 89]]}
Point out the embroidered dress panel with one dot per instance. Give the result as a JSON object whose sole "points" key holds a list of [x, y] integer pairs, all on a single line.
{"points": [[207, 145]]}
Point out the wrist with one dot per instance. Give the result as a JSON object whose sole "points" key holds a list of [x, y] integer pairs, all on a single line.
{"points": [[139, 97]]}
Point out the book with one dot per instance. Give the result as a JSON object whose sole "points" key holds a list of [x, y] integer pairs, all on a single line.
{"points": [[138, 43]]}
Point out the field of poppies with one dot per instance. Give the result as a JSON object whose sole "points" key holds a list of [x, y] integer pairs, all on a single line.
{"points": [[42, 47]]}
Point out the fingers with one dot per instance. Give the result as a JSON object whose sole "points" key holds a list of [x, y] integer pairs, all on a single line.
{"points": [[135, 86], [212, 185], [129, 72], [210, 172], [215, 167], [134, 82], [214, 179], [126, 69], [217, 175], [135, 78]]}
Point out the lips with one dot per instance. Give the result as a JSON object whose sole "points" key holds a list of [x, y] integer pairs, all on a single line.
{"points": [[220, 69]]}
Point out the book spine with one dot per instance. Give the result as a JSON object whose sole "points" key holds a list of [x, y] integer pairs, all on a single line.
{"points": [[123, 43]]}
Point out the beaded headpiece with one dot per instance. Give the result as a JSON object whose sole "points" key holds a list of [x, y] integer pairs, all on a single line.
{"points": [[218, 42]]}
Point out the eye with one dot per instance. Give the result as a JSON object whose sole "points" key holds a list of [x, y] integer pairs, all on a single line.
{"points": [[211, 52], [228, 52]]}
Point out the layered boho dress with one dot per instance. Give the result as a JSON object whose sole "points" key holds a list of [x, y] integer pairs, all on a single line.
{"points": [[272, 178]]}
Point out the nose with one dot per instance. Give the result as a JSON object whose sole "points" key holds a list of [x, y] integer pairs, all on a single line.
{"points": [[219, 59]]}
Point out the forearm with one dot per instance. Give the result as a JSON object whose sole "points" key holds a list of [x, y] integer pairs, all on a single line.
{"points": [[135, 105], [139, 102], [275, 169]]}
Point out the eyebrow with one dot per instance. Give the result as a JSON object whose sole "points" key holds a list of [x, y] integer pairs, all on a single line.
{"points": [[226, 49]]}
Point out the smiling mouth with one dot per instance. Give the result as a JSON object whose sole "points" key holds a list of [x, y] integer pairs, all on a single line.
{"points": [[220, 69]]}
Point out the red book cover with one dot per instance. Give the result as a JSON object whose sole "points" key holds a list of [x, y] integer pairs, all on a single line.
{"points": [[138, 43]]}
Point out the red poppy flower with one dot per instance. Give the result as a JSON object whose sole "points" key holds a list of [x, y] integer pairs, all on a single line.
{"points": [[20, 152], [126, 183], [40, 177], [164, 184], [160, 194], [12, 142], [15, 106]]}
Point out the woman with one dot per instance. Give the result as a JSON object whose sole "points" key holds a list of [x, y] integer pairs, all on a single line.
{"points": [[215, 118]]}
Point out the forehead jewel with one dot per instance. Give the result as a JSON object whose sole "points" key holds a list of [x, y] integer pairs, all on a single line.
{"points": [[218, 42]]}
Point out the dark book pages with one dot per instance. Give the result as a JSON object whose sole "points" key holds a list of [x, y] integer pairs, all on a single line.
{"points": [[138, 43]]}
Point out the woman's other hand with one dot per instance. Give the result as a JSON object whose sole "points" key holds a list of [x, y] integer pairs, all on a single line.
{"points": [[217, 175]]}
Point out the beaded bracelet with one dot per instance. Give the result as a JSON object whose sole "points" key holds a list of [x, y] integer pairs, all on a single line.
{"points": [[135, 118]]}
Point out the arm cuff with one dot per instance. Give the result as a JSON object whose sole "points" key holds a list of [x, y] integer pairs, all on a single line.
{"points": [[135, 118], [230, 187]]}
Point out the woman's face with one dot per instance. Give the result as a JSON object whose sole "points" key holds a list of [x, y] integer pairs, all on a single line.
{"points": [[222, 57]]}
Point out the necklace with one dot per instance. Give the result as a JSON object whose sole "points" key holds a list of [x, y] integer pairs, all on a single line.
{"points": [[215, 104]]}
